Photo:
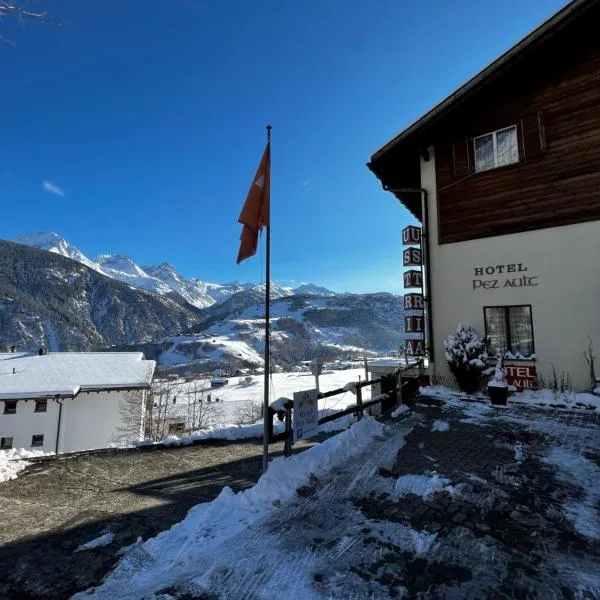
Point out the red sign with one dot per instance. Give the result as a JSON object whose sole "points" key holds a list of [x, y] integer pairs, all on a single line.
{"points": [[411, 257], [521, 374], [413, 279], [414, 325], [415, 347], [413, 301], [411, 235]]}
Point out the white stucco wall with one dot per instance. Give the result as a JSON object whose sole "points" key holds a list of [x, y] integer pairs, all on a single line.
{"points": [[89, 421], [565, 302], [26, 423]]}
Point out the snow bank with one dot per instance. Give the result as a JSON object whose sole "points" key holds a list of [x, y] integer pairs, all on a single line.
{"points": [[421, 485], [99, 542], [12, 462], [182, 548]]}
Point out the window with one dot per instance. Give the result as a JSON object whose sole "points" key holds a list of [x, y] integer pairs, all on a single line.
{"points": [[37, 440], [509, 329], [41, 405], [496, 149], [6, 443], [10, 407], [175, 428]]}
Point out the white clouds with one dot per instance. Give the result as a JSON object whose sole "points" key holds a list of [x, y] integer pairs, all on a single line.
{"points": [[53, 188]]}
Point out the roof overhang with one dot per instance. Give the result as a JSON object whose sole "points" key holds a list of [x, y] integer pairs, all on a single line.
{"points": [[396, 163]]}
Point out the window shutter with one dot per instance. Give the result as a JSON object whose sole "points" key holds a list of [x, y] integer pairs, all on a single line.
{"points": [[534, 135], [463, 157]]}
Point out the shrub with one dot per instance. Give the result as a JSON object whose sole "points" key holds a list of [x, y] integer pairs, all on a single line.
{"points": [[466, 356]]}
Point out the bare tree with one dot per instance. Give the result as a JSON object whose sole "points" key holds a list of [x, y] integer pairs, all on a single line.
{"points": [[201, 411], [23, 11], [152, 416]]}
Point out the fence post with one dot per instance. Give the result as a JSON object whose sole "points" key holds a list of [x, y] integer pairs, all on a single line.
{"points": [[359, 412], [271, 414], [287, 444]]}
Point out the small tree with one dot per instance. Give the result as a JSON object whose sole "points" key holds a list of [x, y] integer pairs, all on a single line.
{"points": [[466, 355]]}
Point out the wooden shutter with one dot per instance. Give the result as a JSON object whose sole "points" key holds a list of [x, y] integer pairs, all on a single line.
{"points": [[533, 135], [463, 157]]}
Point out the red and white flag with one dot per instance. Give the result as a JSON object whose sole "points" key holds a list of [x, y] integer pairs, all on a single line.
{"points": [[256, 211]]}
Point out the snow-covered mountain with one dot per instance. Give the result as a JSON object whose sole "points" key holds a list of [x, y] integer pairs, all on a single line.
{"points": [[48, 299], [162, 279]]}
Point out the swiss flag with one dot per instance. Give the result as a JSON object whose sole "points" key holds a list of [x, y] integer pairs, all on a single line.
{"points": [[256, 211]]}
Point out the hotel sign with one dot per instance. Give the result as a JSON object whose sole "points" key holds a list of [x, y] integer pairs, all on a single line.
{"points": [[413, 301], [411, 236], [413, 279], [523, 375], [411, 257], [414, 322], [493, 277]]}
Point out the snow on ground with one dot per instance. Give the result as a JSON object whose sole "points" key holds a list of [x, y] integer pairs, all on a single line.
{"points": [[543, 397], [424, 485], [99, 542], [440, 425], [400, 411], [235, 543], [577, 470], [12, 462]]}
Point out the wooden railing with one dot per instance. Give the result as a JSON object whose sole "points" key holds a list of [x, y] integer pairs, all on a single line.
{"points": [[395, 389]]}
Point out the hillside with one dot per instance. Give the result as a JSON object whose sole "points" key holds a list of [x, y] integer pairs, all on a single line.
{"points": [[49, 300], [302, 327]]}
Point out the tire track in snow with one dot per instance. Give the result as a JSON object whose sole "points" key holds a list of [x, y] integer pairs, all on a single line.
{"points": [[276, 554]]}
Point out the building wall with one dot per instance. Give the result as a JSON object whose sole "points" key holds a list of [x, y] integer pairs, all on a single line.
{"points": [[556, 181], [89, 421], [565, 300], [25, 423]]}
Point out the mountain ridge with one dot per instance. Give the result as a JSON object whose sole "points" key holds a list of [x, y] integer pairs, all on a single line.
{"points": [[162, 279]]}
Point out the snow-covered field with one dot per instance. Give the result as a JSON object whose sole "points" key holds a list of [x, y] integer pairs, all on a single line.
{"points": [[227, 403]]}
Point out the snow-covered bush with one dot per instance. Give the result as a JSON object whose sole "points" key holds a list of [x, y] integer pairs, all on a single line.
{"points": [[466, 356]]}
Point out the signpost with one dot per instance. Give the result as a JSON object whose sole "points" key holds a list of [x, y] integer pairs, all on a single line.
{"points": [[316, 368], [306, 414]]}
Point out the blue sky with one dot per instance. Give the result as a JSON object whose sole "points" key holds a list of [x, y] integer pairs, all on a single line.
{"points": [[146, 121]]}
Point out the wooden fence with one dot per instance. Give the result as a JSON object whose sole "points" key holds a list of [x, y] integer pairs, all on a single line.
{"points": [[397, 388]]}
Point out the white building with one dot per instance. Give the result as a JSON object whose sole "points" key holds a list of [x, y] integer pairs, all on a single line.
{"points": [[504, 178], [72, 401]]}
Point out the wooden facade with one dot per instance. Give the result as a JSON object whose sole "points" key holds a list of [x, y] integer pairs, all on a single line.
{"points": [[554, 100], [548, 86]]}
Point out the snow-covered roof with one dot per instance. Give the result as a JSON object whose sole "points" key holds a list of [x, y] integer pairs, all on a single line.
{"points": [[24, 375]]}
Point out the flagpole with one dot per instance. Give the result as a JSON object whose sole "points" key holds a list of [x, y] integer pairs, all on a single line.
{"points": [[267, 337]]}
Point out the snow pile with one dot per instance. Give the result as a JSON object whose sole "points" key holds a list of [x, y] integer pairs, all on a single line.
{"points": [[440, 425], [99, 542], [575, 469], [421, 485], [12, 462], [184, 548], [400, 411]]}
